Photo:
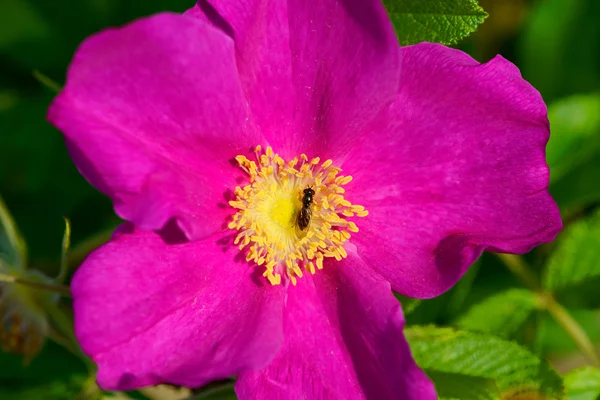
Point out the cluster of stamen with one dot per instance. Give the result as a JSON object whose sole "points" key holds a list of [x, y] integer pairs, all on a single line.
{"points": [[268, 208]]}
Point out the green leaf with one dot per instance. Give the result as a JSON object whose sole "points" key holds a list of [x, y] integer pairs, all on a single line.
{"points": [[463, 387], [53, 363], [575, 138], [440, 21], [574, 191], [13, 250], [513, 368], [29, 142], [64, 260], [576, 256], [460, 291], [583, 384], [67, 388], [501, 314], [408, 303], [20, 21], [554, 48], [552, 338]]}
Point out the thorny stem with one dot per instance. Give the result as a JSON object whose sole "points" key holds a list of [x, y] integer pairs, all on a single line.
{"points": [[520, 269], [61, 289]]}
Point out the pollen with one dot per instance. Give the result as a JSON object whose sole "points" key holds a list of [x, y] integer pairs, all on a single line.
{"points": [[268, 209]]}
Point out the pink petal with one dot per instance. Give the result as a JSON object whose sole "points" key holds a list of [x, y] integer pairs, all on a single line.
{"points": [[460, 168], [314, 72], [148, 312], [152, 113], [343, 340]]}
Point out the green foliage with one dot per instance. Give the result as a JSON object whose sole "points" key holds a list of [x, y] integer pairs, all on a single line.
{"points": [[441, 21], [577, 255], [408, 304], [53, 363], [501, 314], [560, 47], [64, 389], [39, 182], [513, 368], [558, 51], [583, 384], [13, 250], [575, 138], [64, 254], [55, 374], [463, 387], [551, 338]]}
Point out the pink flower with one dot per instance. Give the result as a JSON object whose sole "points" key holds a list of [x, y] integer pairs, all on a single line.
{"points": [[446, 158]]}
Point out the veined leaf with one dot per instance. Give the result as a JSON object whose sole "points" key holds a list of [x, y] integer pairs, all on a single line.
{"points": [[501, 314], [463, 387], [513, 368], [576, 256], [440, 21], [583, 384]]}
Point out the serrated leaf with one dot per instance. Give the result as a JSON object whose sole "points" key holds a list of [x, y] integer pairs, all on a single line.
{"points": [[440, 21], [463, 387], [501, 314], [575, 126], [576, 256], [512, 367], [583, 384]]}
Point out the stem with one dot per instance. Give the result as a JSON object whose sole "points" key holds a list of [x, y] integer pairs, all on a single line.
{"points": [[520, 269], [44, 80], [572, 327], [61, 289]]}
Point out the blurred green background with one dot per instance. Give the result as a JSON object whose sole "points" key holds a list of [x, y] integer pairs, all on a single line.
{"points": [[555, 43]]}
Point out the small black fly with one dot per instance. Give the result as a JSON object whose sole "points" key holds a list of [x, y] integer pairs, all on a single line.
{"points": [[305, 211]]}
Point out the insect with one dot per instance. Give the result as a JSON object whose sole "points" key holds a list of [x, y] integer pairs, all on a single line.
{"points": [[305, 212]]}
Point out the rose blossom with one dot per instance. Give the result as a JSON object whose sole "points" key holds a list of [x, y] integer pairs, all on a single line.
{"points": [[206, 129]]}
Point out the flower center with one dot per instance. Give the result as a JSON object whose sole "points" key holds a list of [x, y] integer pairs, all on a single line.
{"points": [[292, 214]]}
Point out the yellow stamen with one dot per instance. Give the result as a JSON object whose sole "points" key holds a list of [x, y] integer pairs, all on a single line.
{"points": [[268, 209]]}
